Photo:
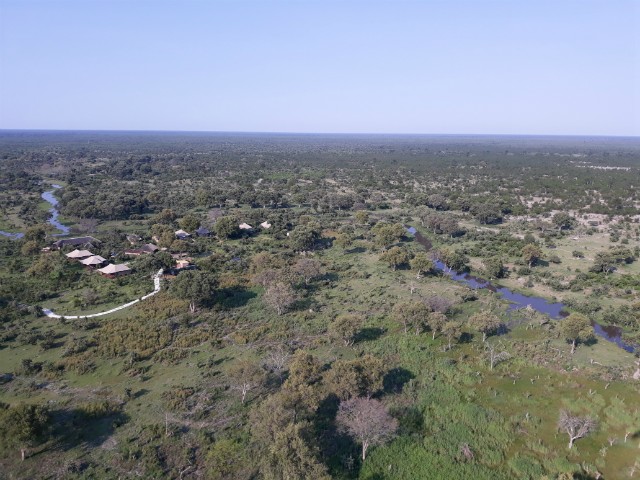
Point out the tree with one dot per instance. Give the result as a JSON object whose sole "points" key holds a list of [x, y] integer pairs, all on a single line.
{"points": [[37, 234], [367, 421], [495, 354], [395, 256], [280, 296], [291, 456], [531, 254], [361, 377], [346, 327], [576, 328], [308, 269], [301, 390], [494, 268], [452, 331], [276, 360], [454, 259], [411, 315], [193, 285], [362, 217], [485, 322], [245, 375], [385, 237], [436, 321], [421, 263], [604, 262], [305, 237], [563, 220], [189, 222], [576, 427], [24, 426], [226, 227]]}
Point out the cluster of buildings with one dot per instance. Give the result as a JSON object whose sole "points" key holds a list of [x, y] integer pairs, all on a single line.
{"points": [[98, 263]]}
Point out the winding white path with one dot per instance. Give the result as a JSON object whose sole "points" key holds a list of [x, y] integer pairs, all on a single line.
{"points": [[156, 289]]}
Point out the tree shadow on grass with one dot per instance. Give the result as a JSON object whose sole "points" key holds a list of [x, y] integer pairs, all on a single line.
{"points": [[233, 297], [74, 428], [339, 449], [395, 379], [368, 334]]}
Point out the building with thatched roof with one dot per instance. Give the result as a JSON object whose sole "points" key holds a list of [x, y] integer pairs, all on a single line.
{"points": [[266, 225], [245, 226], [203, 232], [79, 254], [77, 242], [113, 270], [94, 261], [182, 235]]}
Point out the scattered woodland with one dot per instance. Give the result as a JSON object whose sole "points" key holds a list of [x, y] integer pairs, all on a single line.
{"points": [[330, 344]]}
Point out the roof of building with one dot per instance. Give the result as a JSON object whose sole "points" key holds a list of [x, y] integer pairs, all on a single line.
{"points": [[245, 226], [203, 231], [112, 268], [149, 247], [76, 241], [182, 233], [265, 224], [79, 254], [94, 260]]}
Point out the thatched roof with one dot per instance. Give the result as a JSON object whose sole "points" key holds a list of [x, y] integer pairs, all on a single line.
{"points": [[79, 254], [111, 269], [94, 260]]}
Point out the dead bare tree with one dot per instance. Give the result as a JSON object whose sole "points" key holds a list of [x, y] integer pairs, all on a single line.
{"points": [[366, 420], [574, 426], [276, 360], [495, 354]]}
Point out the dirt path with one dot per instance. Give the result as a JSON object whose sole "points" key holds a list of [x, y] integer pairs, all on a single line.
{"points": [[156, 289]]}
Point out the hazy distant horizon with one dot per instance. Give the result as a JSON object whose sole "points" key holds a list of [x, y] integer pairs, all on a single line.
{"points": [[373, 134]]}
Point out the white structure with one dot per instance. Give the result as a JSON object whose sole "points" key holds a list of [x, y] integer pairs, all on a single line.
{"points": [[93, 261], [245, 226], [265, 225], [79, 254]]}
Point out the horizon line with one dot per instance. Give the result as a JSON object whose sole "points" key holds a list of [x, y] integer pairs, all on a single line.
{"points": [[258, 132]]}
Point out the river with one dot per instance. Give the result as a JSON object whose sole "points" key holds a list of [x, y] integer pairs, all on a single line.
{"points": [[53, 219], [516, 301]]}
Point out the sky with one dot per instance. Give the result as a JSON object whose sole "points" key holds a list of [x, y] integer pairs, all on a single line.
{"points": [[559, 67]]}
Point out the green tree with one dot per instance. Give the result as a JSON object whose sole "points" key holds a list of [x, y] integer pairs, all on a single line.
{"points": [[563, 221], [189, 222], [305, 237], [452, 330], [436, 322], [291, 456], [485, 322], [494, 268], [412, 315], [24, 426], [361, 377], [346, 327], [421, 263], [531, 254], [193, 285], [395, 256], [226, 227], [576, 328]]}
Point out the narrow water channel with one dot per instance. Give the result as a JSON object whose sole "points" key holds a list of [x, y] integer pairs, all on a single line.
{"points": [[516, 301], [53, 219]]}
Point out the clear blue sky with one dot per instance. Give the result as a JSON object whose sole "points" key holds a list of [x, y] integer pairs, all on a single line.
{"points": [[476, 66]]}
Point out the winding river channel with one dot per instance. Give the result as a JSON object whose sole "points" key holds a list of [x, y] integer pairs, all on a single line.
{"points": [[517, 300], [53, 219]]}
